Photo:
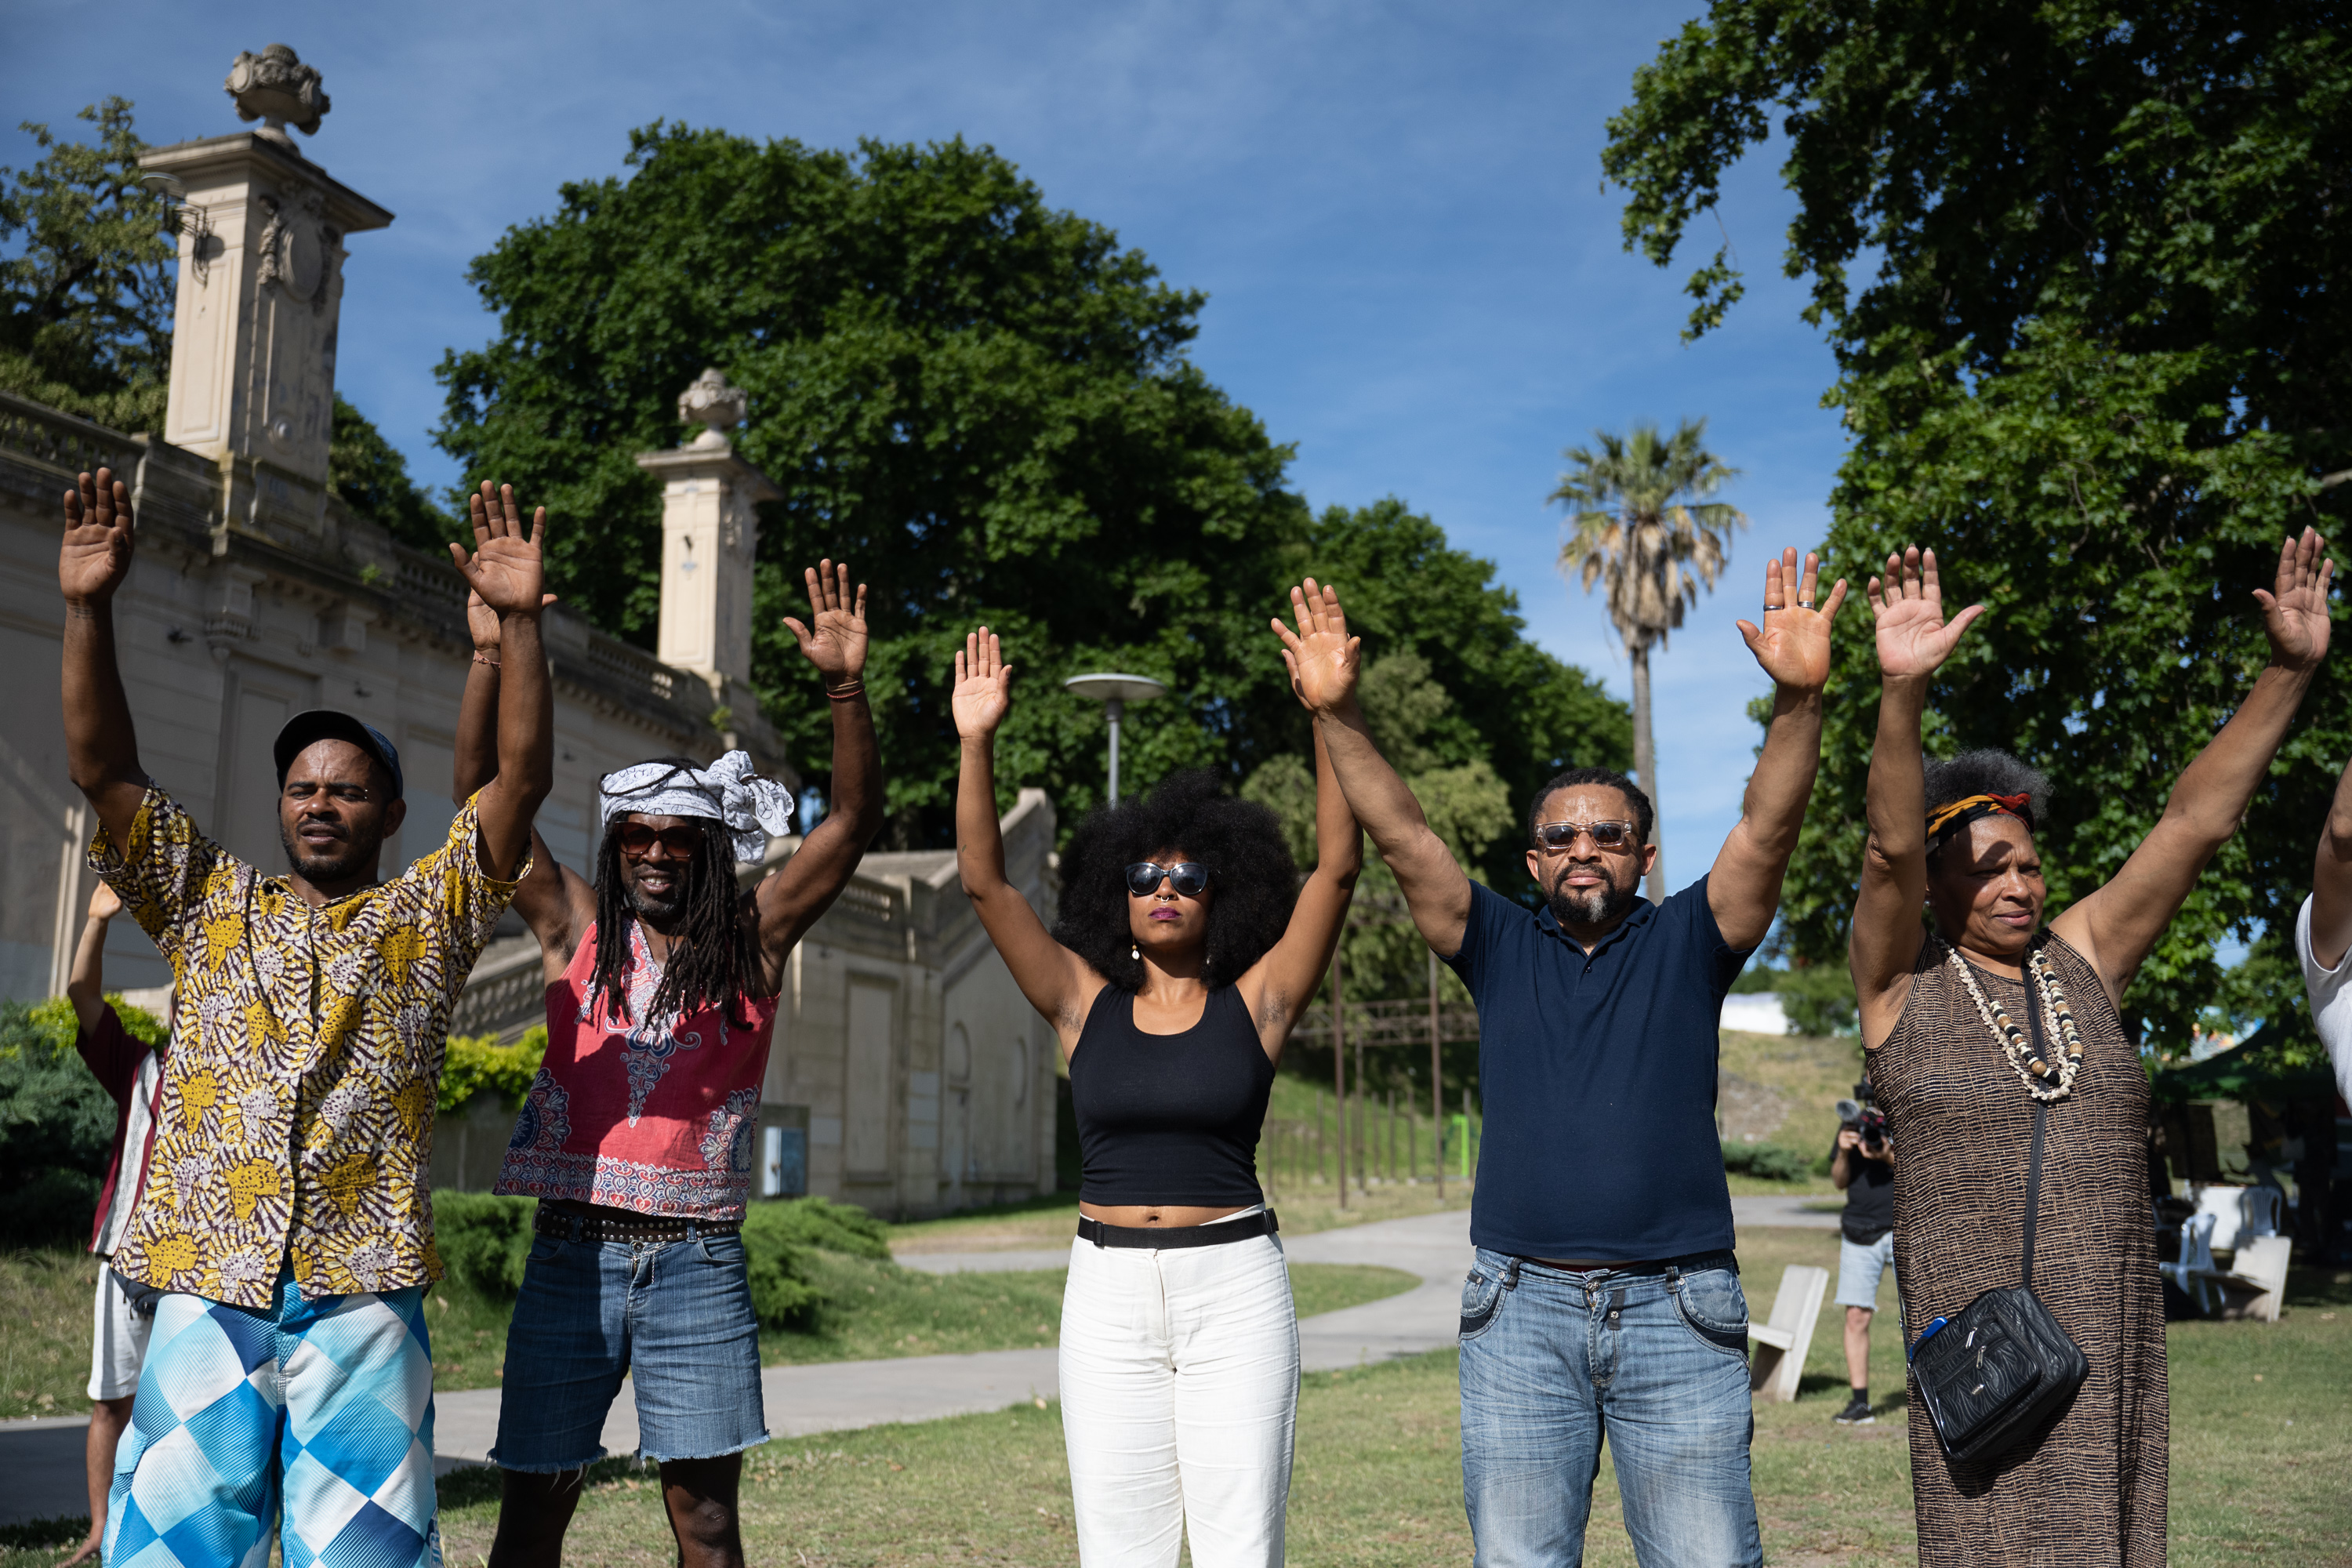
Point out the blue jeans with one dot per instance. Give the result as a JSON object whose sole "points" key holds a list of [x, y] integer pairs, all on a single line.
{"points": [[1552, 1360], [674, 1316]]}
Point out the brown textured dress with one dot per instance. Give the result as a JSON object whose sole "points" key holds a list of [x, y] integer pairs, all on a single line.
{"points": [[2091, 1489]]}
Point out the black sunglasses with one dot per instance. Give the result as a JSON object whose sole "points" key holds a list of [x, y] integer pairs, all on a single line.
{"points": [[1605, 834], [636, 840], [1189, 878]]}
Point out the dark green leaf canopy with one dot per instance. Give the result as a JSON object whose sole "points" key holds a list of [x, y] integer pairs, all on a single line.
{"points": [[2084, 268], [984, 406]]}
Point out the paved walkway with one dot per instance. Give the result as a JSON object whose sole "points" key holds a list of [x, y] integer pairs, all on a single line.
{"points": [[41, 1463]]}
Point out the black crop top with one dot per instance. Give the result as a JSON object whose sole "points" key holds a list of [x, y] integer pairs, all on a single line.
{"points": [[1170, 1119]]}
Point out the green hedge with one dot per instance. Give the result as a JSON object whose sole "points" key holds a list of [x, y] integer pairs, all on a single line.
{"points": [[56, 1125], [477, 1062], [484, 1241], [1766, 1161]]}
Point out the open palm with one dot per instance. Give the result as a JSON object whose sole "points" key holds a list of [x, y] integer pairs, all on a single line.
{"points": [[95, 555], [2295, 609], [982, 693], [1914, 639], [505, 567], [1794, 643], [834, 638], [1322, 659]]}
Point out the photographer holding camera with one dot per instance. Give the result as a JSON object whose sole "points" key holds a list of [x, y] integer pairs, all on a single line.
{"points": [[1861, 1165]]}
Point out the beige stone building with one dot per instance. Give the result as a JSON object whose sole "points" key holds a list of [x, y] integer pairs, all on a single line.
{"points": [[904, 1058]]}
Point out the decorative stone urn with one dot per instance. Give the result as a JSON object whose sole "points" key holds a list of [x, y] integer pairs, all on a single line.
{"points": [[275, 87], [713, 405]]}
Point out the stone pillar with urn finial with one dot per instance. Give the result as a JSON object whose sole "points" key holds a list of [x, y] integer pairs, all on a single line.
{"points": [[260, 294], [709, 534]]}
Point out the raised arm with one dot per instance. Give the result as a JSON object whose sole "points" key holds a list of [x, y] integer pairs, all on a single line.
{"points": [[2115, 926], [505, 571], [1436, 890], [1059, 984], [556, 902], [1913, 639], [102, 747], [86, 982], [1793, 647], [833, 640], [1279, 985], [2331, 879]]}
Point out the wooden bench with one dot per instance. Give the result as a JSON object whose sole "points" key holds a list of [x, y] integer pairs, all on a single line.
{"points": [[1783, 1341]]}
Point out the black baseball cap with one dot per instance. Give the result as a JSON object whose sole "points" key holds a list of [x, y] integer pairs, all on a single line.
{"points": [[327, 724]]}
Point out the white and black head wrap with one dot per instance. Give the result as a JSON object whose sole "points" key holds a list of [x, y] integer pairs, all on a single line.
{"points": [[753, 808]]}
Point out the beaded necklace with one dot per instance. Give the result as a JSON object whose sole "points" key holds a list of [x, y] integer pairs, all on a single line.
{"points": [[2041, 1081]]}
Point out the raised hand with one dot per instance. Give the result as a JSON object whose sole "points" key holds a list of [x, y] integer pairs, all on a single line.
{"points": [[2295, 609], [1794, 643], [482, 621], [1322, 659], [833, 639], [1914, 639], [982, 693], [96, 554], [505, 568]]}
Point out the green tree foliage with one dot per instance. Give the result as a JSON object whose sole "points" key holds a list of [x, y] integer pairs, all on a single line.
{"points": [[369, 475], [982, 404], [87, 289], [1641, 525], [2100, 367], [475, 1064], [86, 277]]}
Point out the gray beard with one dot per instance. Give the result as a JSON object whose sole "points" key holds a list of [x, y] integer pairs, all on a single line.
{"points": [[1602, 907]]}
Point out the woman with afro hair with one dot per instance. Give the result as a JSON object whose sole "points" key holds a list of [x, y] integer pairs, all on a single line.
{"points": [[1997, 1050], [1186, 949]]}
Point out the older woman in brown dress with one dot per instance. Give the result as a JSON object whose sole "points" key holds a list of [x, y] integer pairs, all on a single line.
{"points": [[1945, 1018]]}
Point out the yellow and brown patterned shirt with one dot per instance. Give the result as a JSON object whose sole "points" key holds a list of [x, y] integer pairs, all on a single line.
{"points": [[296, 1122]]}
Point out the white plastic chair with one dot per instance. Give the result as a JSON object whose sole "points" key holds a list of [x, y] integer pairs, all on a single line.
{"points": [[2226, 1206], [2195, 1272], [2261, 1209]]}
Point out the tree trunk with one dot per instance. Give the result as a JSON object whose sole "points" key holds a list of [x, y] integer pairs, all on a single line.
{"points": [[1645, 767]]}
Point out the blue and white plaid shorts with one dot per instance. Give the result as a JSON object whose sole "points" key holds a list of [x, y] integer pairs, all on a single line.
{"points": [[323, 1408]]}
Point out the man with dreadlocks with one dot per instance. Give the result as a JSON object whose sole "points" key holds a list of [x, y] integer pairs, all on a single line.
{"points": [[636, 1134]]}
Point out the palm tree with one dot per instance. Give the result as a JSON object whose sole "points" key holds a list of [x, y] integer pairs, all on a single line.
{"points": [[1643, 525]]}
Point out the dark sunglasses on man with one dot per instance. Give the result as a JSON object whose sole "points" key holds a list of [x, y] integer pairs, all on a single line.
{"points": [[1605, 835], [637, 840], [1189, 878]]}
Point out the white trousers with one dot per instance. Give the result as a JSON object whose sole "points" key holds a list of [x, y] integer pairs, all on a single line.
{"points": [[1180, 1402]]}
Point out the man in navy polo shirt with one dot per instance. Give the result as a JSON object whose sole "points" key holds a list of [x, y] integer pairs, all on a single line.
{"points": [[1605, 1298]]}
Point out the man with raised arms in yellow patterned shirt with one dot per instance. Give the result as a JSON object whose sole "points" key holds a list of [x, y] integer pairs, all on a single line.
{"points": [[287, 1213]]}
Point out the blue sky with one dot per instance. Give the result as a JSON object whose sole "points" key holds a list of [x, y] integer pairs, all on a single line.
{"points": [[1396, 211]]}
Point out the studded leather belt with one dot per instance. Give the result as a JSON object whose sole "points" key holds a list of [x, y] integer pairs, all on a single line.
{"points": [[652, 1228]]}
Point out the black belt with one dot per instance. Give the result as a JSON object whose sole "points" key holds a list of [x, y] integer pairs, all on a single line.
{"points": [[1690, 1262], [1216, 1233], [596, 1227]]}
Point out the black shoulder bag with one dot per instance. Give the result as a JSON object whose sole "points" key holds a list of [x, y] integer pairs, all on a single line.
{"points": [[1993, 1374]]}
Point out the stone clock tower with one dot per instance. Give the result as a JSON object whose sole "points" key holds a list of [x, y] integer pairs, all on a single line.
{"points": [[261, 287]]}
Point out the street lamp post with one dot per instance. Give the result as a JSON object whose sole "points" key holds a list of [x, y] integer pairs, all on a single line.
{"points": [[1115, 691]]}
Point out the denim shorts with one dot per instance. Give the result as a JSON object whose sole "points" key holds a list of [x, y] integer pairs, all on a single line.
{"points": [[1859, 1267], [674, 1316]]}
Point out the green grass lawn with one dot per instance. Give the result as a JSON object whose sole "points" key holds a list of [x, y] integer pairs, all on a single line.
{"points": [[875, 1309], [2261, 1440]]}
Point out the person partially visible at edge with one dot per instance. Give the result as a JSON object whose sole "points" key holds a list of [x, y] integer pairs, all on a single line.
{"points": [[131, 1073], [287, 1214], [637, 1135], [1865, 1172], [1185, 950], [1972, 1023], [1605, 1298], [2323, 935]]}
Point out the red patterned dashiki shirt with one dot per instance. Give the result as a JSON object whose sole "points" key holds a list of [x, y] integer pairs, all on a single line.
{"points": [[654, 1114]]}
